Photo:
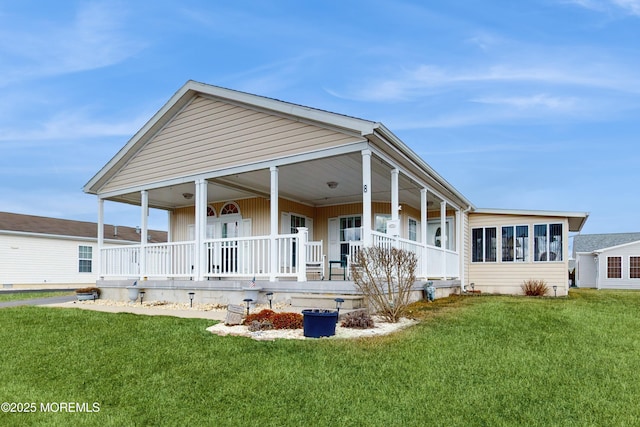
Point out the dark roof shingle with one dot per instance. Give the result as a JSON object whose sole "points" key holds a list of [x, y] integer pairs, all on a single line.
{"points": [[592, 242], [65, 227]]}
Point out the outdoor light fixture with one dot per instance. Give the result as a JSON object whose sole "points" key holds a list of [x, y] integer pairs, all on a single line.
{"points": [[332, 185], [247, 302], [473, 287], [141, 296], [191, 295], [339, 302], [555, 291], [270, 298], [187, 196]]}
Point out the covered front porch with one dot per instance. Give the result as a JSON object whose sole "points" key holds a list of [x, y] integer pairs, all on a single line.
{"points": [[307, 223]]}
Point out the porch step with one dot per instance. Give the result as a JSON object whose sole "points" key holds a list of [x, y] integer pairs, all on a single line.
{"points": [[326, 301]]}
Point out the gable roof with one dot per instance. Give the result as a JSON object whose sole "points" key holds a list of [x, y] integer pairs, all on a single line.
{"points": [[360, 128], [593, 242], [189, 91], [12, 223]]}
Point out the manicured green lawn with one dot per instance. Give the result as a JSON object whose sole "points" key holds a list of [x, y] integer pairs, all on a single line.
{"points": [[7, 296], [472, 361]]}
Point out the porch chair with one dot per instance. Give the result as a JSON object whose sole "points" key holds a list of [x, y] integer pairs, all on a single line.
{"points": [[315, 258]]}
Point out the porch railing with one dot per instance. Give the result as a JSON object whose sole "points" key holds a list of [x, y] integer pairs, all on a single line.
{"points": [[120, 261], [251, 257], [170, 259]]}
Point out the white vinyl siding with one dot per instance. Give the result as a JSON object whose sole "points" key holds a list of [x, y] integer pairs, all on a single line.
{"points": [[208, 135], [36, 260], [619, 267]]}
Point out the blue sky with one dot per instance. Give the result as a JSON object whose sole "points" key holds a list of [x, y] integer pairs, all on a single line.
{"points": [[520, 105]]}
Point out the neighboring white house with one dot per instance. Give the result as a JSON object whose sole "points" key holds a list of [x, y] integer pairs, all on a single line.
{"points": [[37, 250], [607, 261]]}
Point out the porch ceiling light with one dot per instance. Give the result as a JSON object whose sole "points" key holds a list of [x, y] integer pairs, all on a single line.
{"points": [[187, 196], [332, 185]]}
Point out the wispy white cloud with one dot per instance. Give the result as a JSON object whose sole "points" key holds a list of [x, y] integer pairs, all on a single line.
{"points": [[630, 7], [72, 125], [424, 79], [536, 101], [95, 38]]}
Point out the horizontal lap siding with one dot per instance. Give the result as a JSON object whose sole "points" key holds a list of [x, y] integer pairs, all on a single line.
{"points": [[209, 135], [507, 277], [625, 282], [40, 260]]}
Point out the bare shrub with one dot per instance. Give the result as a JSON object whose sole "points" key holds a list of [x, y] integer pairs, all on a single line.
{"points": [[535, 288], [358, 320], [385, 277]]}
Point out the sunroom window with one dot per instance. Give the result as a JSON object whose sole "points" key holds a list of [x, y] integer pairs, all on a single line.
{"points": [[547, 240], [484, 244], [515, 243]]}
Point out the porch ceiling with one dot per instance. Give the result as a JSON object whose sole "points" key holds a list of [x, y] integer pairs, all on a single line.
{"points": [[304, 182]]}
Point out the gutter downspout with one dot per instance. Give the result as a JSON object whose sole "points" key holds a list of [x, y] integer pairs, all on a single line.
{"points": [[463, 250]]}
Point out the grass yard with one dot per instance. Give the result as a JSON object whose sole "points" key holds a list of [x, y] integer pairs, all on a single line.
{"points": [[15, 296], [498, 361]]}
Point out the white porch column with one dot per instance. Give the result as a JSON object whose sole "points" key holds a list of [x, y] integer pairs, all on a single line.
{"points": [[144, 232], [273, 204], [423, 229], [395, 205], [444, 237], [301, 255], [366, 198], [200, 256], [98, 258]]}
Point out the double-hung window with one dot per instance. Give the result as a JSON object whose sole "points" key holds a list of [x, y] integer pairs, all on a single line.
{"points": [[634, 267], [547, 241], [614, 267], [515, 243], [85, 258], [484, 244]]}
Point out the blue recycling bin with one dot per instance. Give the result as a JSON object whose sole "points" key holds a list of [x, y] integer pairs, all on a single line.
{"points": [[319, 323]]}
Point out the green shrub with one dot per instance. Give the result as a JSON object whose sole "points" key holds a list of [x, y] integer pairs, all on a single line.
{"points": [[535, 288], [358, 320]]}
